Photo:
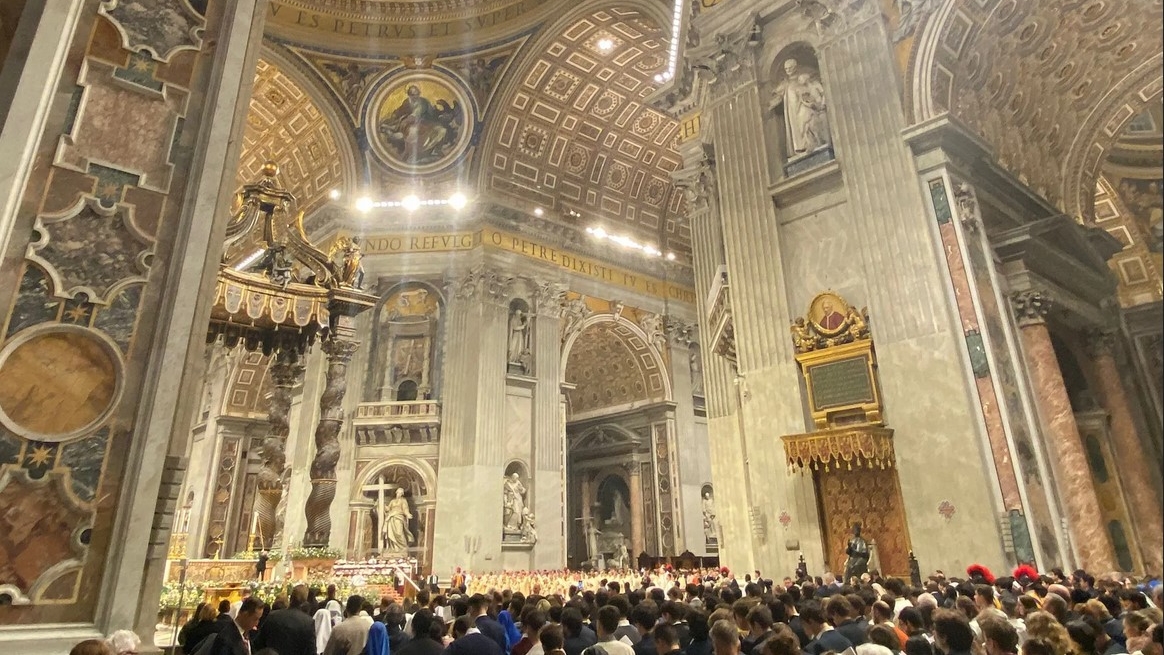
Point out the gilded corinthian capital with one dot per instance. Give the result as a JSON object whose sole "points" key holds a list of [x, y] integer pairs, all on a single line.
{"points": [[1030, 307]]}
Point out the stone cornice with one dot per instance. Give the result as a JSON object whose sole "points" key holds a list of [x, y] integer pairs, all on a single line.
{"points": [[335, 219]]}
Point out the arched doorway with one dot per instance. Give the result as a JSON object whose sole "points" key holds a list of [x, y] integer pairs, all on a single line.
{"points": [[621, 471]]}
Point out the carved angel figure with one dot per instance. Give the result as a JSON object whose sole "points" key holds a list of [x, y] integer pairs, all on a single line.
{"points": [[802, 338], [858, 328]]}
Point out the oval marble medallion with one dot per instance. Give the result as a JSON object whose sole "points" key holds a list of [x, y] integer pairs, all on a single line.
{"points": [[57, 383]]}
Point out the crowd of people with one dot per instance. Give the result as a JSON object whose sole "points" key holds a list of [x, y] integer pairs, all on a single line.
{"points": [[706, 612]]}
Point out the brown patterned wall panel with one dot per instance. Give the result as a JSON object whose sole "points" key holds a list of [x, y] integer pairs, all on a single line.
{"points": [[872, 498], [117, 201]]}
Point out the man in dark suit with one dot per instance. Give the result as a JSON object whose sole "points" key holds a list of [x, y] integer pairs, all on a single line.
{"points": [[478, 610], [824, 637], [234, 638], [223, 618], [289, 631], [475, 643]]}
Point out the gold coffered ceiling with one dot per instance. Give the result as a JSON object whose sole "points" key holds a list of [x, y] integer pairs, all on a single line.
{"points": [[574, 133], [284, 124], [1034, 78], [611, 366]]}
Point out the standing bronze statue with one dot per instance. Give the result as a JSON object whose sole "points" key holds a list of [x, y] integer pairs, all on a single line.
{"points": [[857, 563]]}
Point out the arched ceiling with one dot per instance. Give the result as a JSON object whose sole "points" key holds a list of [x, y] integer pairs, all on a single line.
{"points": [[1048, 84], [611, 366], [286, 125], [1129, 205], [576, 135]]}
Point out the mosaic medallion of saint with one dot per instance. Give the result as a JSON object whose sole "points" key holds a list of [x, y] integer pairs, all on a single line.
{"points": [[420, 122]]}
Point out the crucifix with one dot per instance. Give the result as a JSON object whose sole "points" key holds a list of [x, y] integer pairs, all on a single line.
{"points": [[381, 487]]}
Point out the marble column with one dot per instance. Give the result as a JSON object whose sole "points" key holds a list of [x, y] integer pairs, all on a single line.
{"points": [[286, 372], [1131, 463], [1073, 477], [635, 482], [339, 353]]}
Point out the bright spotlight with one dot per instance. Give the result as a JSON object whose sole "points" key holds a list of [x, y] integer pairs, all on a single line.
{"points": [[458, 201], [538, 211], [334, 194], [605, 45], [364, 204], [411, 203], [671, 256]]}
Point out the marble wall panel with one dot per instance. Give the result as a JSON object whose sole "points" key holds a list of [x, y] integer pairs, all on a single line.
{"points": [[927, 402], [821, 251], [518, 425]]}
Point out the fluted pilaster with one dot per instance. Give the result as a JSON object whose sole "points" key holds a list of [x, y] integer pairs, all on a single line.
{"points": [[880, 177], [548, 441]]}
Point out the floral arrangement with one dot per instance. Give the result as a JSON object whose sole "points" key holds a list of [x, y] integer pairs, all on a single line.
{"points": [[314, 553], [188, 595]]}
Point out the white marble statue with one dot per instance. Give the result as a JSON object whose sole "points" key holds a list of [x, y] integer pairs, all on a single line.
{"points": [[592, 533], [619, 511], [710, 526], [518, 335], [513, 497], [397, 536], [621, 558], [806, 119]]}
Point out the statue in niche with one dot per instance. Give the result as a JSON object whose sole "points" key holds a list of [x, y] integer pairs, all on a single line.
{"points": [[397, 536], [519, 339], [619, 510], [513, 497], [805, 111], [710, 526]]}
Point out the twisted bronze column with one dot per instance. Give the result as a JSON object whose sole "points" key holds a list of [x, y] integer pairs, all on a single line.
{"points": [[286, 372], [327, 449]]}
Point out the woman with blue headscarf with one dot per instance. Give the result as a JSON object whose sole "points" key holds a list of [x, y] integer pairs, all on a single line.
{"points": [[512, 634], [377, 640]]}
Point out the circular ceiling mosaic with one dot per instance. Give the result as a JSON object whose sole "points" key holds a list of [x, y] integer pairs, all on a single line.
{"points": [[419, 122]]}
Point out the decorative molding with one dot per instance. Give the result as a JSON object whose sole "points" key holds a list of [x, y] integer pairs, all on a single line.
{"points": [[1100, 343], [698, 182], [966, 202], [163, 27]]}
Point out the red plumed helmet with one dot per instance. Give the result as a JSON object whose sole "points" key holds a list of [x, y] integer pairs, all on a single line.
{"points": [[1026, 571], [979, 571]]}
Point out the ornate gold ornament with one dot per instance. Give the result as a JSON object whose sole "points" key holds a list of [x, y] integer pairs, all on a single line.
{"points": [[835, 351]]}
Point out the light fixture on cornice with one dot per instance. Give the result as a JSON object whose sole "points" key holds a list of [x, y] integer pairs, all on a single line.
{"points": [[413, 202], [673, 49], [627, 242]]}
